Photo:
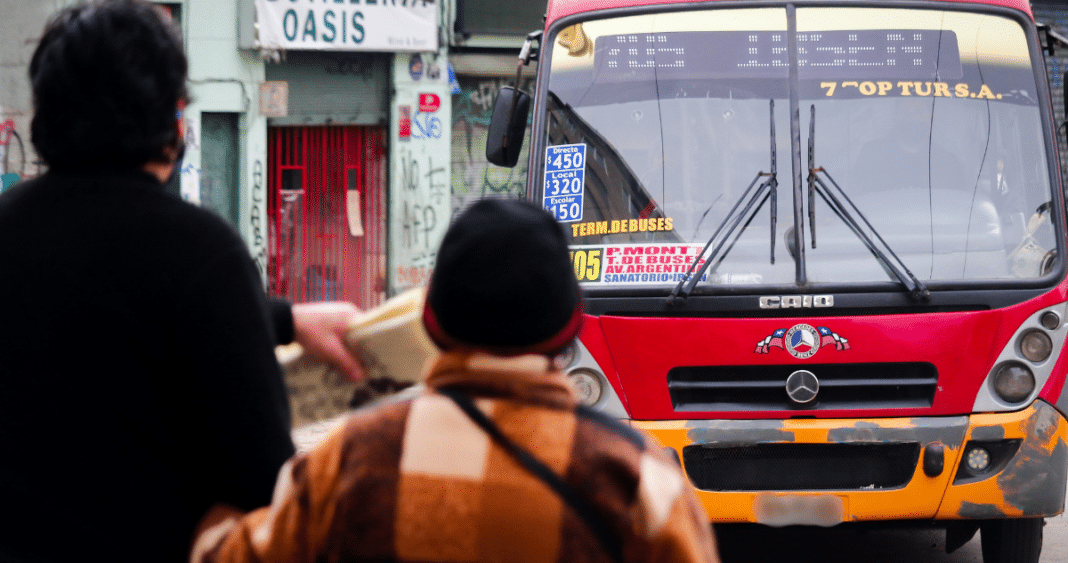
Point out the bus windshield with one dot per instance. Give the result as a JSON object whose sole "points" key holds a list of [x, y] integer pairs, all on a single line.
{"points": [[669, 144]]}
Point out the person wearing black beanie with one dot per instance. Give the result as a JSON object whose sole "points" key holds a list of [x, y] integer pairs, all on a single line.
{"points": [[495, 460], [504, 282]]}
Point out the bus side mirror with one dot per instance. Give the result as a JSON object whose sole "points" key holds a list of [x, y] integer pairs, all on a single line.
{"points": [[507, 127]]}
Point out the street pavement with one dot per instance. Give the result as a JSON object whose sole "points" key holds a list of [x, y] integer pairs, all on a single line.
{"points": [[744, 543], [1055, 540]]}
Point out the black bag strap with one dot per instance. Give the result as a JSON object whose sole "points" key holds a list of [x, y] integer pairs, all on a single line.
{"points": [[565, 491]]}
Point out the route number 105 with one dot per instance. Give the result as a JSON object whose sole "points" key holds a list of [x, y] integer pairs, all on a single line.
{"points": [[587, 264]]}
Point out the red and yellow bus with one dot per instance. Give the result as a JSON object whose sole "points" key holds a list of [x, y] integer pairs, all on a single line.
{"points": [[822, 246]]}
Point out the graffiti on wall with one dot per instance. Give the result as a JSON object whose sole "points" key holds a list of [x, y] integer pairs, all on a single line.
{"points": [[425, 191], [473, 177], [12, 154], [259, 204], [419, 184], [189, 182], [351, 65], [192, 135], [189, 169]]}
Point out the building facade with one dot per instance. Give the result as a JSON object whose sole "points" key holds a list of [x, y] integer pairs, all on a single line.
{"points": [[350, 94], [338, 137]]}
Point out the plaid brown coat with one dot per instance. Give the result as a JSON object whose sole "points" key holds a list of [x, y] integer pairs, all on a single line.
{"points": [[418, 481]]}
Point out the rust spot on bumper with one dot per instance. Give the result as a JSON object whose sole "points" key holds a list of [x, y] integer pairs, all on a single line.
{"points": [[949, 431], [980, 511], [1034, 481], [737, 431]]}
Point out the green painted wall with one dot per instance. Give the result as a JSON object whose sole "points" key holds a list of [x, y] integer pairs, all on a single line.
{"points": [[225, 79]]}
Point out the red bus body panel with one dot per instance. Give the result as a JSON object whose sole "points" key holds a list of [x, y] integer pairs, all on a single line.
{"points": [[637, 353]]}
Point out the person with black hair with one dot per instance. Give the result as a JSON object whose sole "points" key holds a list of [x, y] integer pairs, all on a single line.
{"points": [[140, 385], [495, 460]]}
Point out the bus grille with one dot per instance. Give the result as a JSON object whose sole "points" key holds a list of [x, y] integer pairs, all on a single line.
{"points": [[841, 386], [799, 467]]}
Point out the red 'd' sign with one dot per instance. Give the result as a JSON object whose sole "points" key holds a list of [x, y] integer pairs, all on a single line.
{"points": [[429, 102]]}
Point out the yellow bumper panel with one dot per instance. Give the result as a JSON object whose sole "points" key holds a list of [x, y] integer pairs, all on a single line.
{"points": [[1032, 483]]}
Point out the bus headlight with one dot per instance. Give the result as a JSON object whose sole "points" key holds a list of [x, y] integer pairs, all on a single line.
{"points": [[566, 357], [1035, 345], [1026, 361], [1050, 320], [1014, 382], [587, 385]]}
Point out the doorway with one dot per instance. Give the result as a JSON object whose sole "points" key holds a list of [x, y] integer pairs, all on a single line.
{"points": [[327, 214]]}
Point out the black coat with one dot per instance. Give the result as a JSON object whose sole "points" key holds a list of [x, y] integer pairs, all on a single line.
{"points": [[138, 383]]}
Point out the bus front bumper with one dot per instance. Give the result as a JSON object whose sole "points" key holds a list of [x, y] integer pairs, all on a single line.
{"points": [[825, 472]]}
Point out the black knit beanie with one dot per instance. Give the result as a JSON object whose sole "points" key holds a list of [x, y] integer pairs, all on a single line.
{"points": [[504, 282]]}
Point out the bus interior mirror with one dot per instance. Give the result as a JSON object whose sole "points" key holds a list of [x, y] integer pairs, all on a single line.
{"points": [[507, 127]]}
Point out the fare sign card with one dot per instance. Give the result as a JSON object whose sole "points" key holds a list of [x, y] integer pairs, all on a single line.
{"points": [[565, 177]]}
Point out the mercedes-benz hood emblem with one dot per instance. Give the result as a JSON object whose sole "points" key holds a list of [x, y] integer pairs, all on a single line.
{"points": [[802, 387]]}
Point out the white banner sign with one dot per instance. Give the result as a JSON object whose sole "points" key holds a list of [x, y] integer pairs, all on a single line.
{"points": [[349, 25]]}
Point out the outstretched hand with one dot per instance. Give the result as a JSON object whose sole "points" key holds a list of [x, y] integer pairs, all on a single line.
{"points": [[320, 329]]}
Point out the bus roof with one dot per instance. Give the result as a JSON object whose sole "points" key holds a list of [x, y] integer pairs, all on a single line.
{"points": [[563, 8]]}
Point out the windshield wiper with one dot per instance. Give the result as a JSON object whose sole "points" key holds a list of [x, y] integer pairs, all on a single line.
{"points": [[816, 185], [765, 191]]}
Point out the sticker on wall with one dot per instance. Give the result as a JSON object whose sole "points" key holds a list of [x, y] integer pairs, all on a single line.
{"points": [[415, 67], [565, 177], [404, 122], [352, 211], [802, 341], [429, 103]]}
